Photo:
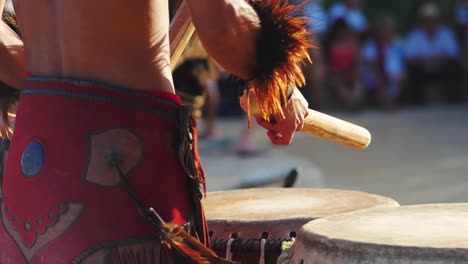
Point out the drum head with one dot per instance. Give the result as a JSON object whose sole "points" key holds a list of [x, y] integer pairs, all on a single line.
{"points": [[279, 211], [408, 234]]}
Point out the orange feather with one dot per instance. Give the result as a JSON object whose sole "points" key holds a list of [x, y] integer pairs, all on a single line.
{"points": [[282, 50]]}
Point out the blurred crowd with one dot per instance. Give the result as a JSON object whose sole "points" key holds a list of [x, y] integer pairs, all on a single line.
{"points": [[363, 60], [360, 60]]}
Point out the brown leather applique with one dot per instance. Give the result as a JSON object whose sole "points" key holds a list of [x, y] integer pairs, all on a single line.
{"points": [[69, 213], [102, 145]]}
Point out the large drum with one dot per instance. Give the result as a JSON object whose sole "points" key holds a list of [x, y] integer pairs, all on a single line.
{"points": [[250, 225], [419, 234]]}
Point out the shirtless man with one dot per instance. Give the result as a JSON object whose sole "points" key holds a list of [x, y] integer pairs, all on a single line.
{"points": [[83, 143], [12, 57]]}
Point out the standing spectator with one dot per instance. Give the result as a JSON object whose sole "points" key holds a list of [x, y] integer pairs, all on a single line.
{"points": [[317, 16], [314, 11], [383, 63], [432, 53], [462, 13], [246, 146], [314, 72], [190, 81], [462, 21], [343, 64], [351, 12]]}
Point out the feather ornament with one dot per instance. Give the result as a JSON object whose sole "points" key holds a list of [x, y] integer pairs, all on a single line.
{"points": [[198, 253], [282, 49]]}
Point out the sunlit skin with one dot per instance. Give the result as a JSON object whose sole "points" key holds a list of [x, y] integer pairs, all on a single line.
{"points": [[12, 62], [126, 43], [117, 42]]}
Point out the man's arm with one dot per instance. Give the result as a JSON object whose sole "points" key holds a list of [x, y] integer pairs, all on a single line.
{"points": [[229, 31], [12, 72], [12, 60]]}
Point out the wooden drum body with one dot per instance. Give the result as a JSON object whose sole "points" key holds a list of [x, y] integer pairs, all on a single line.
{"points": [[417, 234], [251, 224]]}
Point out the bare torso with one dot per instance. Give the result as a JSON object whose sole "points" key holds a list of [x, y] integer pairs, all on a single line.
{"points": [[119, 42]]}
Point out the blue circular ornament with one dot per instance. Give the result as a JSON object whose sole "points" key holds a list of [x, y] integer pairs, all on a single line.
{"points": [[32, 159]]}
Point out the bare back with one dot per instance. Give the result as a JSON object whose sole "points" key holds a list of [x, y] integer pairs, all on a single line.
{"points": [[115, 41]]}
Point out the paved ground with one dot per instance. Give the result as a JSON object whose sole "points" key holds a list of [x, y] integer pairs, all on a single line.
{"points": [[417, 155]]}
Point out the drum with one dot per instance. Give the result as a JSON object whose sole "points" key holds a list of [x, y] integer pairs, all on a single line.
{"points": [[250, 225], [418, 234]]}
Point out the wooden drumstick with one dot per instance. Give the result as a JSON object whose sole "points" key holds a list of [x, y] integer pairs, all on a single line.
{"points": [[180, 32], [336, 130], [316, 123]]}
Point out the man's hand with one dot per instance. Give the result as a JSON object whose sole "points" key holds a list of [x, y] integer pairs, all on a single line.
{"points": [[281, 129]]}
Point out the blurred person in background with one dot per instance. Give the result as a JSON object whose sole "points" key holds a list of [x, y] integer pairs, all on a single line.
{"points": [[246, 146], [351, 12], [462, 18], [195, 78], [212, 130], [383, 63], [432, 55], [198, 80], [462, 22], [342, 55], [191, 79], [314, 72], [314, 11]]}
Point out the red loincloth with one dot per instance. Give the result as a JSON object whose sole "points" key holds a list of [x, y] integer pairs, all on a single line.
{"points": [[62, 200]]}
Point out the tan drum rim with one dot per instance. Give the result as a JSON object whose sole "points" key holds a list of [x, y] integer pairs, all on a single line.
{"points": [[374, 251], [378, 200], [356, 249]]}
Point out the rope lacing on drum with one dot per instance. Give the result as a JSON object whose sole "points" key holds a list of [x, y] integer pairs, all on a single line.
{"points": [[228, 248], [262, 251]]}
